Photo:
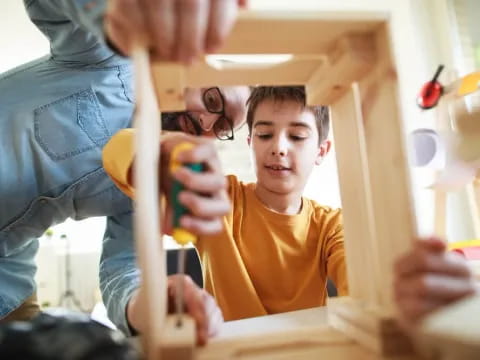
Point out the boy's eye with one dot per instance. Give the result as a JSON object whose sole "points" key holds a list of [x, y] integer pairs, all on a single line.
{"points": [[264, 136], [298, 137]]}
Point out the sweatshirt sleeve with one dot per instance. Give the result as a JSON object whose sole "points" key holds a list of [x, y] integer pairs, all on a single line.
{"points": [[336, 264], [117, 156]]}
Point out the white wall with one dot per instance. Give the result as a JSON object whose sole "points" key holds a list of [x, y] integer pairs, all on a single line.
{"points": [[20, 41]]}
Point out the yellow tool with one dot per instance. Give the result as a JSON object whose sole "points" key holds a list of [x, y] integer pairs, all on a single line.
{"points": [[181, 236]]}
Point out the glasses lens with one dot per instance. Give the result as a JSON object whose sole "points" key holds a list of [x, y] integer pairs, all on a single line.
{"points": [[223, 129], [213, 100]]}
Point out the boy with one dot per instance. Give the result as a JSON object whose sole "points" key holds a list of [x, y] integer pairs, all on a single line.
{"points": [[266, 260], [278, 248]]}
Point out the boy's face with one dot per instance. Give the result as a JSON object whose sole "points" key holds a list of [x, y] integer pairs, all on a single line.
{"points": [[285, 146]]}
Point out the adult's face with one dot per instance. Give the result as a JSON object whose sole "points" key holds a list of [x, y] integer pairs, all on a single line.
{"points": [[211, 112]]}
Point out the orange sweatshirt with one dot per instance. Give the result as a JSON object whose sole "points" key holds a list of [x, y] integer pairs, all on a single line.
{"points": [[262, 262]]}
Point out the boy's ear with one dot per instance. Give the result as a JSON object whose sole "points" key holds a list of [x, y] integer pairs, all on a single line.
{"points": [[323, 150], [249, 139]]}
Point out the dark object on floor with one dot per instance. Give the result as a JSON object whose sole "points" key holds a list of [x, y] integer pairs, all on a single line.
{"points": [[75, 337]]}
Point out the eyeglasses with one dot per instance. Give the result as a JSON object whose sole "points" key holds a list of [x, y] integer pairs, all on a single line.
{"points": [[214, 102]]}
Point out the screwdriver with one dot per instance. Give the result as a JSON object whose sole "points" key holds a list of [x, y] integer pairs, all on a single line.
{"points": [[181, 236]]}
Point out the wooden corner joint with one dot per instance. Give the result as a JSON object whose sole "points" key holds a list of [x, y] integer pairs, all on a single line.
{"points": [[178, 342], [377, 332], [351, 58]]}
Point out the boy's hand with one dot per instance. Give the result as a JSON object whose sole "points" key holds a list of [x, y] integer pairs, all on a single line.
{"points": [[428, 278], [206, 210], [175, 30], [200, 305]]}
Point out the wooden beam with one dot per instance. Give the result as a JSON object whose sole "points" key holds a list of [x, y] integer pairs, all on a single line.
{"points": [[178, 341], [204, 74], [393, 210], [302, 334], [453, 332], [352, 57], [377, 331], [151, 257], [356, 194], [299, 32]]}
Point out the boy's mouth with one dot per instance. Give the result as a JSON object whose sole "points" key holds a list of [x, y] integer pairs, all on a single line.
{"points": [[277, 167], [278, 170]]}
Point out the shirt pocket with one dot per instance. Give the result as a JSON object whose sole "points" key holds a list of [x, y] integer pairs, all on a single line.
{"points": [[70, 126]]}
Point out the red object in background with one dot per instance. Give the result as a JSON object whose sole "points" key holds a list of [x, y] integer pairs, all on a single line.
{"points": [[431, 92], [469, 253], [429, 95]]}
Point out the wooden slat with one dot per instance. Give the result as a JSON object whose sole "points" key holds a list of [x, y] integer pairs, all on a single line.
{"points": [[440, 212], [307, 32], [395, 226], [374, 330], [178, 342], [355, 189], [151, 256], [453, 332], [302, 334], [202, 74], [352, 57]]}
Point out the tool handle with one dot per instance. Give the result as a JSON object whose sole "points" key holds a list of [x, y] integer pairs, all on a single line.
{"points": [[181, 236]]}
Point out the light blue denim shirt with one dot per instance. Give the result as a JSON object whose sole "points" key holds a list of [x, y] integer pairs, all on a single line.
{"points": [[56, 114]]}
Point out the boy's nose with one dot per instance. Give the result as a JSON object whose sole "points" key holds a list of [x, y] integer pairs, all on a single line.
{"points": [[280, 148], [280, 152]]}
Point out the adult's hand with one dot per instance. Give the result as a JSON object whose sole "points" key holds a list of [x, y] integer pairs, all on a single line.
{"points": [[205, 194], [199, 304], [174, 30]]}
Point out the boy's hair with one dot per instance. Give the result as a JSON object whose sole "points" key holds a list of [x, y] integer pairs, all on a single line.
{"points": [[296, 94]]}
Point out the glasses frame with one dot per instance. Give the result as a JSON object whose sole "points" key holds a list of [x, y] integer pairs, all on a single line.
{"points": [[222, 119]]}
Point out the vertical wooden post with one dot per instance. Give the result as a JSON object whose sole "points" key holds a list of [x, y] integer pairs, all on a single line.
{"points": [[149, 246], [354, 178], [393, 211], [440, 212]]}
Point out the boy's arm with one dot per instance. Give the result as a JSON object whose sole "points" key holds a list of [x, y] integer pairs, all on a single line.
{"points": [[336, 263], [117, 157]]}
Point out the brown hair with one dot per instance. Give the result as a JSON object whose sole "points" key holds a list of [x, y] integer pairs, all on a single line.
{"points": [[296, 94]]}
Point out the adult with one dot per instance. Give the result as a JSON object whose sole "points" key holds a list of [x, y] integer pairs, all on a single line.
{"points": [[57, 112]]}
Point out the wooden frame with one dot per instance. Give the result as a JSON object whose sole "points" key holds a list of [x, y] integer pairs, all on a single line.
{"points": [[345, 61]]}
